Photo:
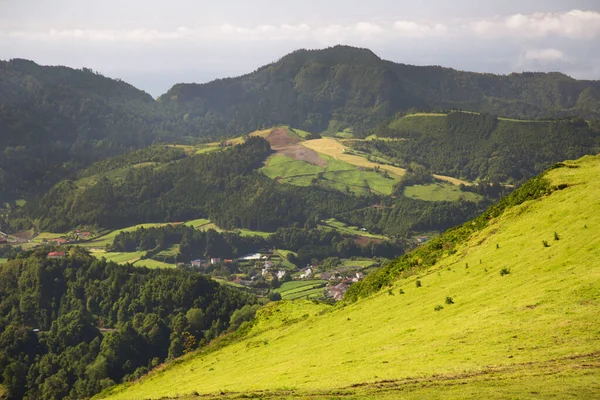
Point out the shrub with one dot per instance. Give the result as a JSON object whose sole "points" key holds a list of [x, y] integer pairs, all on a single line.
{"points": [[401, 291], [449, 300], [545, 243], [418, 283], [556, 237], [504, 271], [439, 307]]}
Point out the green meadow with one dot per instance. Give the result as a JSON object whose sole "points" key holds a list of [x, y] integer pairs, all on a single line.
{"points": [[341, 227], [439, 191], [302, 289], [336, 174], [511, 312]]}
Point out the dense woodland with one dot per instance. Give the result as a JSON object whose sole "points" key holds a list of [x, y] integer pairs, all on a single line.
{"points": [[223, 186], [100, 323], [55, 121]]}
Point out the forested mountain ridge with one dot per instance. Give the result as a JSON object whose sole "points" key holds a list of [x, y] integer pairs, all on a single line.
{"points": [[56, 120], [342, 87]]}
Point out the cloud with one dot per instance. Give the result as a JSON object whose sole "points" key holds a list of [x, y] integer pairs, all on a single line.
{"points": [[545, 55], [575, 24], [418, 29]]}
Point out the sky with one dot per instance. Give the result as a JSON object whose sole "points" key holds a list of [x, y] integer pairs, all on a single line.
{"points": [[155, 44]]}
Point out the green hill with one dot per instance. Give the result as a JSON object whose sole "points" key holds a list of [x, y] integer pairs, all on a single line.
{"points": [[58, 120], [475, 146], [504, 306], [344, 87]]}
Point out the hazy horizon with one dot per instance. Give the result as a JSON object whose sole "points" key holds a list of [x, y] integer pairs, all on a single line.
{"points": [[154, 45]]}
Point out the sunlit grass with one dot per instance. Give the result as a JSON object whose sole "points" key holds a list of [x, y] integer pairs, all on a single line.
{"points": [[512, 336]]}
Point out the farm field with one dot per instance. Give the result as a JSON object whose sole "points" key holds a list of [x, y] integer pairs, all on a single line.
{"points": [[119, 257], [337, 150], [333, 223], [357, 263], [302, 289], [439, 192], [503, 316], [149, 263], [335, 174]]}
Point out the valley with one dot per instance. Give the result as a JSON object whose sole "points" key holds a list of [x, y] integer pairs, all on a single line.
{"points": [[330, 225], [486, 314]]}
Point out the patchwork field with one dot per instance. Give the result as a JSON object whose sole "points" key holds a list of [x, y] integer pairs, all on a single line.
{"points": [[504, 316], [335, 174], [302, 289], [338, 151]]}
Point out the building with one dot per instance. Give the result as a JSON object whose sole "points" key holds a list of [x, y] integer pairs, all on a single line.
{"points": [[306, 273], [198, 263], [56, 254], [214, 261]]}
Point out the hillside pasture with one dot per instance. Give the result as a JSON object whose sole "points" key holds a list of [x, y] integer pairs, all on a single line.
{"points": [[341, 227], [439, 192], [149, 263], [302, 289], [335, 174], [500, 317]]}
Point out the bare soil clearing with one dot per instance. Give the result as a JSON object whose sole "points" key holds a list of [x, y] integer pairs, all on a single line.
{"points": [[290, 146]]}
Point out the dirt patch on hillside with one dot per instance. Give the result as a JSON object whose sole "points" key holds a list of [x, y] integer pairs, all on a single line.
{"points": [[288, 145]]}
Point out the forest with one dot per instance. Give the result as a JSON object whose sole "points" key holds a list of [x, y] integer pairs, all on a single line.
{"points": [[56, 121], [482, 146], [71, 327]]}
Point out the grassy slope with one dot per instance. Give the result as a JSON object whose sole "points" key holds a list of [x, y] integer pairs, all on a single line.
{"points": [[337, 174], [529, 333], [439, 192]]}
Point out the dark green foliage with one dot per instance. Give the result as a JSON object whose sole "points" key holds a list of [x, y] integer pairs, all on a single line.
{"points": [[545, 243], [449, 300], [192, 243], [328, 245], [222, 186], [418, 283], [403, 216], [401, 291], [504, 271], [556, 237], [474, 146], [439, 307], [242, 315], [56, 120], [426, 255], [99, 323], [274, 296]]}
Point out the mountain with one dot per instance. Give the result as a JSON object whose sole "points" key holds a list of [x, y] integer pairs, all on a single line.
{"points": [[343, 87], [55, 121], [505, 305]]}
